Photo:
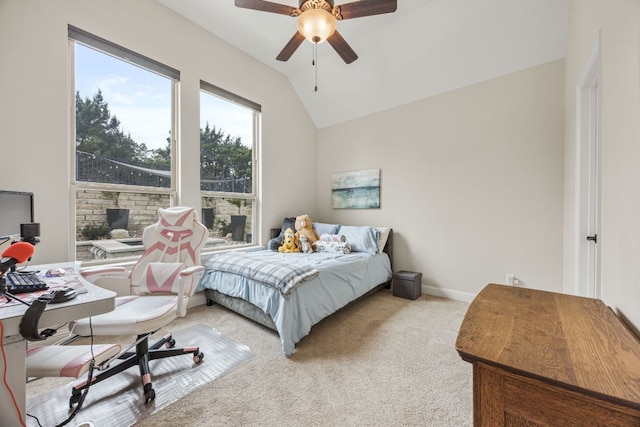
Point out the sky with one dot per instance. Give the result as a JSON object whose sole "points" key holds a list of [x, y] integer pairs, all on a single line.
{"points": [[141, 100]]}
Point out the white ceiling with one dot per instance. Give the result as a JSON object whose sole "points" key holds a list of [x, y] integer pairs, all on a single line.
{"points": [[425, 48]]}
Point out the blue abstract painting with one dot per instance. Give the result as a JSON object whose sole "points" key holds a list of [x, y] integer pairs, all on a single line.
{"points": [[356, 190]]}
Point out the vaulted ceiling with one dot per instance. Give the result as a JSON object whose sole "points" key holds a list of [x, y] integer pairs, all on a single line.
{"points": [[426, 47]]}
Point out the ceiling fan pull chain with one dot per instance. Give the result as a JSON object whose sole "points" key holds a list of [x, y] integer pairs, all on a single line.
{"points": [[315, 64]]}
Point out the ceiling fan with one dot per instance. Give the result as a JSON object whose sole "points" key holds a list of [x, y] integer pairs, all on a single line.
{"points": [[317, 21]]}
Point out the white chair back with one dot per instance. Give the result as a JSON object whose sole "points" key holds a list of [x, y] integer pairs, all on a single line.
{"points": [[171, 244]]}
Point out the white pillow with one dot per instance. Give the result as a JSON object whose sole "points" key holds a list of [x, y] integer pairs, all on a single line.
{"points": [[361, 238], [383, 235]]}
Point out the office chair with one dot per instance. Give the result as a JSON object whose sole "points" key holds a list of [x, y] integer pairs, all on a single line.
{"points": [[162, 281]]}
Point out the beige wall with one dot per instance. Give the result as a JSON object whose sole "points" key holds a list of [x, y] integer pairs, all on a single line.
{"points": [[617, 24], [471, 181], [34, 105]]}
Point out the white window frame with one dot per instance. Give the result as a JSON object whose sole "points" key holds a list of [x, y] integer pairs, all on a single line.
{"points": [[213, 90], [77, 35]]}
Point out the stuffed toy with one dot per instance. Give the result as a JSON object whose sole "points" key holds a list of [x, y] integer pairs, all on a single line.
{"points": [[288, 242], [304, 226], [305, 246], [333, 246], [276, 242], [326, 237]]}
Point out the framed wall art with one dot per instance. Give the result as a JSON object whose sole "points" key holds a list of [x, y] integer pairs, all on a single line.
{"points": [[356, 190]]}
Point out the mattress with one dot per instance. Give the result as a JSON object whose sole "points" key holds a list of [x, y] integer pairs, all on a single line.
{"points": [[341, 279]]}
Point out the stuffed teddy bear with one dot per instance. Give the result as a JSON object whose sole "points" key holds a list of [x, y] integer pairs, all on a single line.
{"points": [[288, 242], [304, 226], [305, 246]]}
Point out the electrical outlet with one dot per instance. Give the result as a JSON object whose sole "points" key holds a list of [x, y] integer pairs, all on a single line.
{"points": [[511, 279]]}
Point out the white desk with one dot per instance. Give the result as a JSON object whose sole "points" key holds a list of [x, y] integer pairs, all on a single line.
{"points": [[95, 301]]}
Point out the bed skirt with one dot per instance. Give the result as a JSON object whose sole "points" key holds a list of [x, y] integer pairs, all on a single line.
{"points": [[240, 306]]}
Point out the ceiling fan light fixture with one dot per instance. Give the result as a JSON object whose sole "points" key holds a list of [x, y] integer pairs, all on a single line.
{"points": [[316, 25]]}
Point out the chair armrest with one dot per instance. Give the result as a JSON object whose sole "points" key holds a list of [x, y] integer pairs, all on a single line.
{"points": [[92, 273], [188, 282], [116, 279], [191, 271]]}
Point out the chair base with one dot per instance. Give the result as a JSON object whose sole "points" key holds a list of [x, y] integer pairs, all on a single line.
{"points": [[141, 357]]}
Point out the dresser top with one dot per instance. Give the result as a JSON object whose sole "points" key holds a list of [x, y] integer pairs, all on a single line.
{"points": [[562, 339]]}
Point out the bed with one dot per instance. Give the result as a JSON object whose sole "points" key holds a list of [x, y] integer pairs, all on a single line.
{"points": [[330, 282]]}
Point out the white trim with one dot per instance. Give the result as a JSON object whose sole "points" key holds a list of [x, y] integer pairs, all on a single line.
{"points": [[199, 298], [584, 88], [452, 294], [71, 134]]}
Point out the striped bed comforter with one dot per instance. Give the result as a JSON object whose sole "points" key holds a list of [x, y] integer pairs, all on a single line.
{"points": [[280, 275]]}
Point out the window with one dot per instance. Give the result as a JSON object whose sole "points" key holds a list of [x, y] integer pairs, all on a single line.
{"points": [[125, 152], [123, 146], [229, 129]]}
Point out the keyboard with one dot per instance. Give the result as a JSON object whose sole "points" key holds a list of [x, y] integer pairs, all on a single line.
{"points": [[20, 283]]}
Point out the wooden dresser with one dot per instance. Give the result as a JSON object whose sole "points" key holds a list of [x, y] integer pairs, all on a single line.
{"points": [[548, 359]]}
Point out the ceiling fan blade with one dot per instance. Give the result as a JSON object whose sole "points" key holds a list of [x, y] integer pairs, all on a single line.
{"points": [[362, 8], [290, 47], [267, 6], [342, 47]]}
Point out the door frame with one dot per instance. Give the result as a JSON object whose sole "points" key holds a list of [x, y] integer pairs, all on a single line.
{"points": [[588, 195]]}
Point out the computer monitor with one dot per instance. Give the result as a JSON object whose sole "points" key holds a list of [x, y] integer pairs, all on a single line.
{"points": [[15, 208]]}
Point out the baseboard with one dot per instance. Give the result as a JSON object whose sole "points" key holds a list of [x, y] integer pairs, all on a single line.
{"points": [[448, 293], [197, 299]]}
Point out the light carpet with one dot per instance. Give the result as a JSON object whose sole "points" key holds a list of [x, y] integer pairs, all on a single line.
{"points": [[384, 361], [118, 400]]}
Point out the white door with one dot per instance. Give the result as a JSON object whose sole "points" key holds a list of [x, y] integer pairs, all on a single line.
{"points": [[588, 221]]}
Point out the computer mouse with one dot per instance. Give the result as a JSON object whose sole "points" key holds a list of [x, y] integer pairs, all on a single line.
{"points": [[62, 295], [55, 272]]}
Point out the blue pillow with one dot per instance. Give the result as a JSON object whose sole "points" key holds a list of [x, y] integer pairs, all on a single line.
{"points": [[321, 228], [361, 238]]}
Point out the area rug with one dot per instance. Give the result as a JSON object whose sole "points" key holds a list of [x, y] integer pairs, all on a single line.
{"points": [[118, 400]]}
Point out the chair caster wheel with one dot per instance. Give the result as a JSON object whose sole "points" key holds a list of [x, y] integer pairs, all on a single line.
{"points": [[74, 399], [170, 343], [149, 396], [197, 358]]}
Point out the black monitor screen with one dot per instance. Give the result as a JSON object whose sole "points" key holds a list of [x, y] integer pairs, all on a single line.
{"points": [[15, 208]]}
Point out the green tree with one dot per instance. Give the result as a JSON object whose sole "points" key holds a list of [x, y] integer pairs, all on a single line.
{"points": [[99, 133], [223, 156], [161, 157], [103, 143], [103, 146]]}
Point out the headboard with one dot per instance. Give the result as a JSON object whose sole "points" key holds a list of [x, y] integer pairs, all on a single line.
{"points": [[388, 247]]}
